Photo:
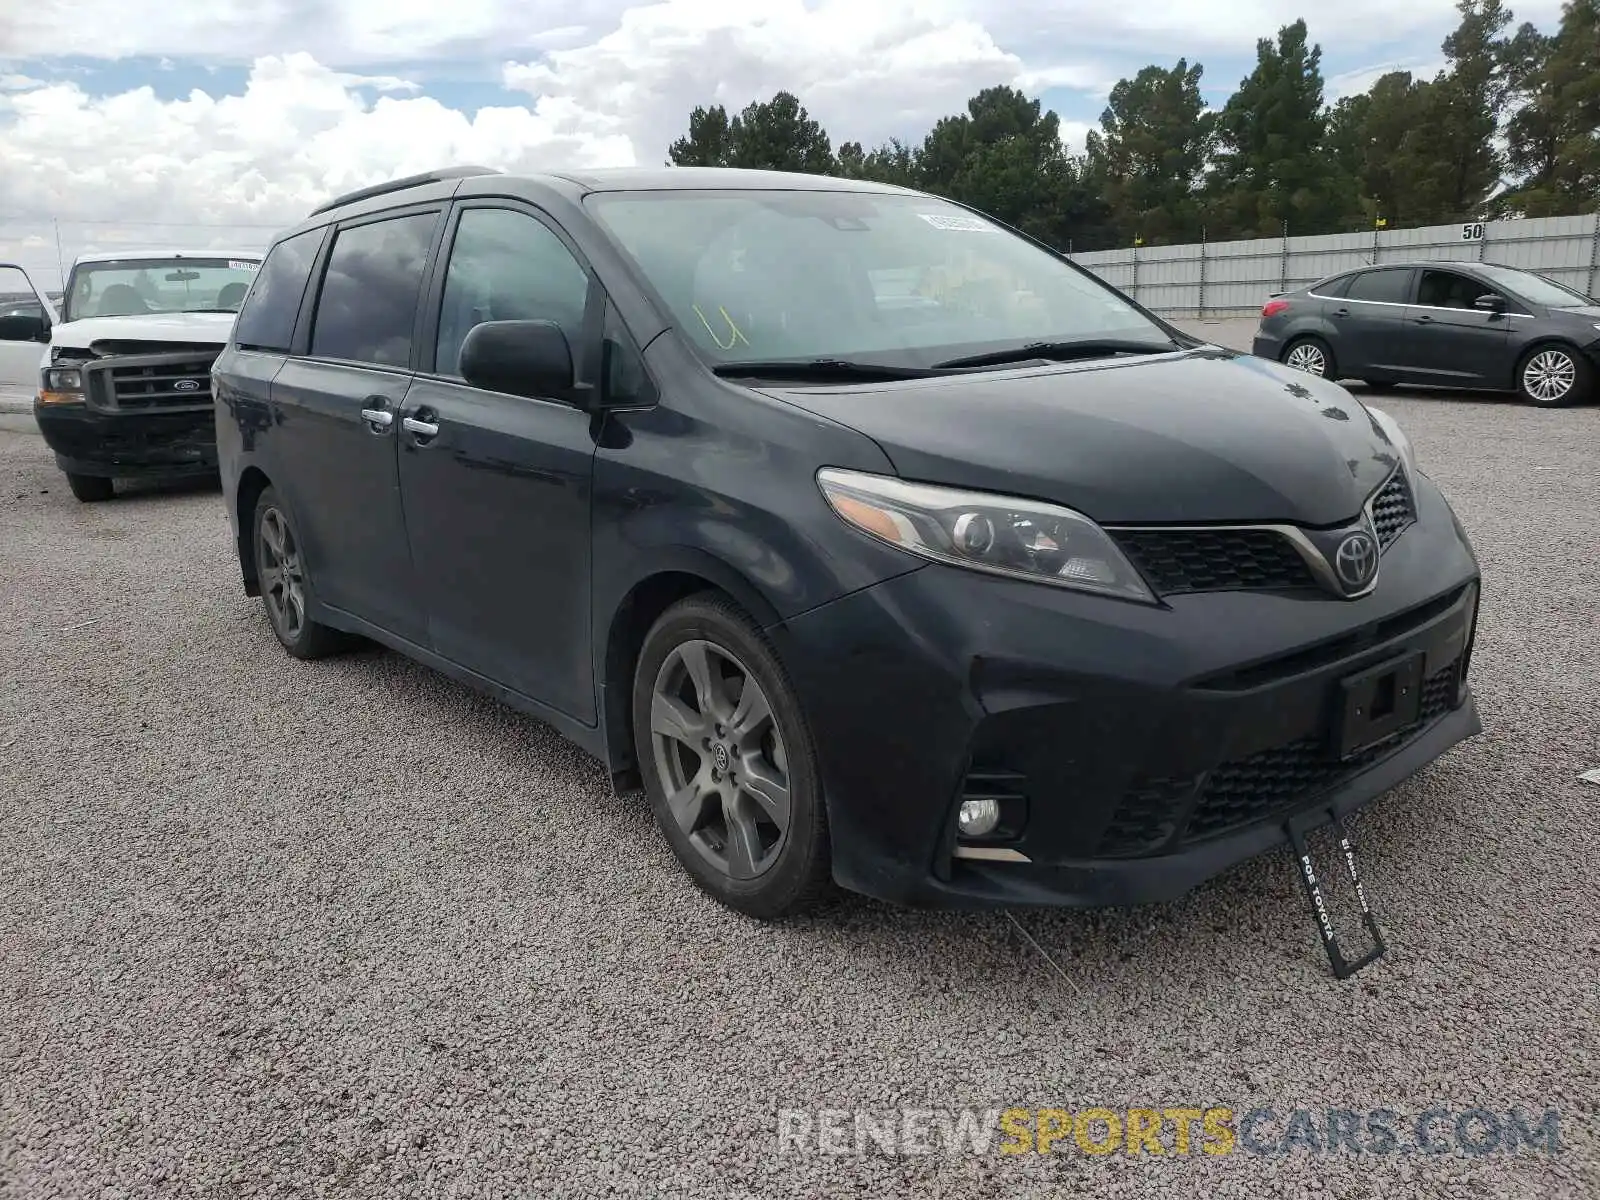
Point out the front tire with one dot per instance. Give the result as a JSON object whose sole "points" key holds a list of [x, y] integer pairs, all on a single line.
{"points": [[280, 568], [728, 761], [91, 489], [1311, 355], [1553, 377]]}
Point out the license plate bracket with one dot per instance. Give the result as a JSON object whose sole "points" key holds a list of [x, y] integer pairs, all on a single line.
{"points": [[1378, 703]]}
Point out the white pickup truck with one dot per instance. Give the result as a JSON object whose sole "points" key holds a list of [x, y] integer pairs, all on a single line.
{"points": [[124, 375]]}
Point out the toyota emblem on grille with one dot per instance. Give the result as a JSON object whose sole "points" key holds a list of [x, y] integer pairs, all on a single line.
{"points": [[186, 385], [1356, 560]]}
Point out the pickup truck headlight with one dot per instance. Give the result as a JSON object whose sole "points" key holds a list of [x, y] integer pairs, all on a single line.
{"points": [[62, 385], [1022, 539]]}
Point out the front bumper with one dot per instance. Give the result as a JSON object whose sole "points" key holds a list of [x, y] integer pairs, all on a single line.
{"points": [[1146, 749], [159, 444]]}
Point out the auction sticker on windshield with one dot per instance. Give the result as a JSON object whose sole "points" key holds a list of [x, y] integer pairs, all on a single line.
{"points": [[241, 266], [963, 224]]}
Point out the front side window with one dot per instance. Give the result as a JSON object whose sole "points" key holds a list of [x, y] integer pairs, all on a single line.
{"points": [[368, 305], [1388, 287], [1536, 289], [901, 279], [1446, 289], [140, 287], [507, 266], [266, 322]]}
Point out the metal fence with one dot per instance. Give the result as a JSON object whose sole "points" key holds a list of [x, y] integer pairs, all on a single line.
{"points": [[1214, 279]]}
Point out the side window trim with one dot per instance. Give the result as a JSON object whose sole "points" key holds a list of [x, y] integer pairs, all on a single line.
{"points": [[319, 275], [586, 356]]}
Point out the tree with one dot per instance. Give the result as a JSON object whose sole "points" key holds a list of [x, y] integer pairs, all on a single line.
{"points": [[1380, 142], [1462, 116], [1553, 134], [777, 135], [893, 162], [1004, 156], [1151, 149], [1270, 163], [709, 142]]}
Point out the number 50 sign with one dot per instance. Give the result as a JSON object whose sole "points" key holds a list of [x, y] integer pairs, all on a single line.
{"points": [[1472, 232]]}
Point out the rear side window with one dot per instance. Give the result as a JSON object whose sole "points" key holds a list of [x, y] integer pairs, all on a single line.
{"points": [[266, 322], [1390, 286], [368, 305], [1333, 287]]}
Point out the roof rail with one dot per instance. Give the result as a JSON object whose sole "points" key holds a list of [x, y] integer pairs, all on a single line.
{"points": [[398, 185]]}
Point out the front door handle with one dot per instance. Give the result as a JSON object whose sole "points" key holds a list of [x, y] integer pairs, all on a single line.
{"points": [[377, 414], [1424, 319], [423, 429]]}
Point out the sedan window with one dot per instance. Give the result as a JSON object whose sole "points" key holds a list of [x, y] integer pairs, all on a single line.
{"points": [[1446, 289], [1389, 286]]}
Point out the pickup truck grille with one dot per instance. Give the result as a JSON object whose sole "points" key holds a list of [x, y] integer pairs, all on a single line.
{"points": [[146, 382]]}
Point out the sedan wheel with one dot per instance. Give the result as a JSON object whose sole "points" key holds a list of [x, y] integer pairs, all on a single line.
{"points": [[1551, 377], [727, 762], [1310, 356]]}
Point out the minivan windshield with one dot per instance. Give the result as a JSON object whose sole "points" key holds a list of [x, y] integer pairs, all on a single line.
{"points": [[1535, 289], [866, 276], [145, 286]]}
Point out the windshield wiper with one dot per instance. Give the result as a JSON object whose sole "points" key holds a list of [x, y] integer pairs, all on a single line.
{"points": [[1060, 352], [843, 370]]}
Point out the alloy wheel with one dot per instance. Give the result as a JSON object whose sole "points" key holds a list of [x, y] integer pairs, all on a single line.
{"points": [[720, 759], [282, 575], [1308, 357], [1549, 375]]}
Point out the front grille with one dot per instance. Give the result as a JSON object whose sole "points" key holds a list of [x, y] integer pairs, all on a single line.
{"points": [[1214, 560], [1148, 817], [154, 381], [1392, 509], [1244, 791]]}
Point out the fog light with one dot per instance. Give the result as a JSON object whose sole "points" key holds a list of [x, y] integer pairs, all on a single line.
{"points": [[978, 817]]}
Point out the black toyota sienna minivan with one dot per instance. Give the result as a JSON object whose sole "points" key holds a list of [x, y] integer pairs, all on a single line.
{"points": [[877, 542]]}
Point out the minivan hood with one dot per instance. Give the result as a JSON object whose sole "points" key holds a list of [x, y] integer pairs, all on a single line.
{"points": [[210, 328], [1197, 436]]}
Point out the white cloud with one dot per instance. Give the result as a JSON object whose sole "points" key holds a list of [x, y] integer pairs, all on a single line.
{"points": [[1353, 83]]}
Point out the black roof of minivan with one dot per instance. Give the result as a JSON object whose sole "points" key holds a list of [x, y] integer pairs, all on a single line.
{"points": [[615, 179]]}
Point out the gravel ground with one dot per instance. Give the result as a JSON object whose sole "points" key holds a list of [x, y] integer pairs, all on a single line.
{"points": [[347, 929]]}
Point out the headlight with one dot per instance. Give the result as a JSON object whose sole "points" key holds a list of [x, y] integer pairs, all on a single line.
{"points": [[1023, 539], [61, 385], [1392, 431]]}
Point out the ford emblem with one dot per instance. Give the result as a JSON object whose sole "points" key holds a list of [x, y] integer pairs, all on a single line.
{"points": [[186, 385]]}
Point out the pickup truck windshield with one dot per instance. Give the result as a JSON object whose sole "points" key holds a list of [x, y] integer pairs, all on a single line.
{"points": [[896, 280], [142, 287]]}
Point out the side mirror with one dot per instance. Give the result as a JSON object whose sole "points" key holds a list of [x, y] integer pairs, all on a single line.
{"points": [[520, 358], [1490, 303], [24, 329]]}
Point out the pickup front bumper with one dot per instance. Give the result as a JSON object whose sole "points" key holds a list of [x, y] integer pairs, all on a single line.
{"points": [[132, 445]]}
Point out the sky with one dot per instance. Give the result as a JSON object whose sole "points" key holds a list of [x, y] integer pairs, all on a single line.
{"points": [[214, 122]]}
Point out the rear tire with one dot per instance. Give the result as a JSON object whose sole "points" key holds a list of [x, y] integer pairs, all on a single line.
{"points": [[1311, 355], [1554, 376], [285, 587], [91, 489], [731, 773]]}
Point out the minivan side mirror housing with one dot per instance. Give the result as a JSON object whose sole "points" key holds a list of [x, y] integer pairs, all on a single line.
{"points": [[520, 358], [24, 329], [1490, 302]]}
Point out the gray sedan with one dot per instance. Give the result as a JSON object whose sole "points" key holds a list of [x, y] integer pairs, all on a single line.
{"points": [[1442, 324]]}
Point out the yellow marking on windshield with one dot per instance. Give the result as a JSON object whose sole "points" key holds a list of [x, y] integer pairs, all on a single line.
{"points": [[735, 334]]}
